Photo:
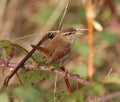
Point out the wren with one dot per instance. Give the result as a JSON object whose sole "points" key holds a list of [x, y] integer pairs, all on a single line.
{"points": [[58, 48]]}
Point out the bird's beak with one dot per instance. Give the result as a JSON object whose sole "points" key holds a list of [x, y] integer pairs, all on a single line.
{"points": [[79, 31]]}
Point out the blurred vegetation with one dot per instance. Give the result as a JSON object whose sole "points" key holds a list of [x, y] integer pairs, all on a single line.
{"points": [[32, 18]]}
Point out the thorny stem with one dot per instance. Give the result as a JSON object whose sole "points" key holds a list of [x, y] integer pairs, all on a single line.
{"points": [[53, 70]]}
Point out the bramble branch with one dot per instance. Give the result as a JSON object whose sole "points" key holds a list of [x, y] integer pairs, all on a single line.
{"points": [[52, 69]]}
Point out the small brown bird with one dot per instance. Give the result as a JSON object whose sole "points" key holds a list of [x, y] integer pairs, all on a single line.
{"points": [[58, 48]]}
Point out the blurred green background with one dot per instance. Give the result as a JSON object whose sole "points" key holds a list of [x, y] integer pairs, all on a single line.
{"points": [[24, 22]]}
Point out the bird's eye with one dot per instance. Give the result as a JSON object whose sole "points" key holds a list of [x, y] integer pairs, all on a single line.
{"points": [[68, 33], [51, 35]]}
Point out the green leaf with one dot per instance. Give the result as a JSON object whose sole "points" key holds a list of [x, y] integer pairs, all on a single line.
{"points": [[29, 94], [33, 77], [109, 37], [20, 48], [25, 52], [81, 69], [34, 94], [98, 88], [6, 51], [4, 97], [75, 97], [94, 89], [38, 58], [116, 2], [58, 95]]}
